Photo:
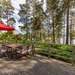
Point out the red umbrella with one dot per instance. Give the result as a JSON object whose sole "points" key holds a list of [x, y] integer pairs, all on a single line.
{"points": [[6, 28]]}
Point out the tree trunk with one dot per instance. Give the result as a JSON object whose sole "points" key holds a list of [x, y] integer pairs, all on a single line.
{"points": [[58, 36], [67, 26], [71, 32], [53, 30]]}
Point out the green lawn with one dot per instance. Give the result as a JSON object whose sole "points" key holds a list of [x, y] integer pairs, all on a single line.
{"points": [[62, 52]]}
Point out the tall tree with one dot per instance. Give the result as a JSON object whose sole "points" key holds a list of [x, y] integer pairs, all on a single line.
{"points": [[24, 14], [38, 17], [67, 25], [55, 12], [67, 4]]}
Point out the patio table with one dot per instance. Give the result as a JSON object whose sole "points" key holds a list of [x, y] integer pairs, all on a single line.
{"points": [[13, 51]]}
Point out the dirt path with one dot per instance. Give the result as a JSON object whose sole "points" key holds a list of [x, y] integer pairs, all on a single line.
{"points": [[35, 66]]}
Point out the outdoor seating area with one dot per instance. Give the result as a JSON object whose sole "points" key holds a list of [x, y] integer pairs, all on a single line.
{"points": [[37, 37], [15, 51]]}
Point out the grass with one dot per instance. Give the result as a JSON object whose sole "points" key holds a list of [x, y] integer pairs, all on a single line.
{"points": [[62, 52]]}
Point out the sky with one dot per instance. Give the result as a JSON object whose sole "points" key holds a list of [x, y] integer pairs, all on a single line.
{"points": [[21, 1], [16, 5]]}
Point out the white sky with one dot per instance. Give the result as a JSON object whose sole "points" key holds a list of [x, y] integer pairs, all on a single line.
{"points": [[15, 4], [21, 1]]}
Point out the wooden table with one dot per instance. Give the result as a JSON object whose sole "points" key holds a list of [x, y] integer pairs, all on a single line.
{"points": [[13, 45], [12, 50], [18, 50]]}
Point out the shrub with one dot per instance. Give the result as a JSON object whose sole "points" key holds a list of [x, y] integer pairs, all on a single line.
{"points": [[62, 52]]}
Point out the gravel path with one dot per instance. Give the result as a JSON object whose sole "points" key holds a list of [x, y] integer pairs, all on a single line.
{"points": [[38, 65]]}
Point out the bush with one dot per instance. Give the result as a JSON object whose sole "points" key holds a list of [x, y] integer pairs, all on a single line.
{"points": [[62, 52]]}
